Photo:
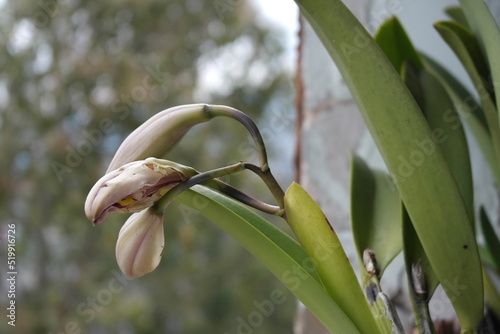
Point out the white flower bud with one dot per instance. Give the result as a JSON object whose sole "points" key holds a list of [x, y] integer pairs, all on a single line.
{"points": [[134, 187], [159, 134], [140, 243]]}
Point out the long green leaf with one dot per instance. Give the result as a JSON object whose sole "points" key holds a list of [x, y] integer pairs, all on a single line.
{"points": [[278, 252], [483, 25], [447, 128], [460, 95], [320, 242], [467, 48], [434, 102], [375, 214], [411, 154], [440, 112], [470, 111]]}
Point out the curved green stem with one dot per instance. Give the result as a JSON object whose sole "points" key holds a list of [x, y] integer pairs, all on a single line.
{"points": [[270, 181], [266, 176], [246, 199], [217, 110], [163, 202]]}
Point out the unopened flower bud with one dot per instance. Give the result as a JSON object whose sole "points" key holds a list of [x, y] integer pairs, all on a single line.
{"points": [[159, 134], [134, 187], [140, 243]]}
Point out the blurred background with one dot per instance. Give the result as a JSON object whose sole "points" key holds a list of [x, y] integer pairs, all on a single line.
{"points": [[76, 77]]}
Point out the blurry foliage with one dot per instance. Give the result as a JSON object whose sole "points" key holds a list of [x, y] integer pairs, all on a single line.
{"points": [[76, 77]]}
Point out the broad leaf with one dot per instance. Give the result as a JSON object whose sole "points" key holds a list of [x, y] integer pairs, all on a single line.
{"points": [[446, 126], [320, 242]]}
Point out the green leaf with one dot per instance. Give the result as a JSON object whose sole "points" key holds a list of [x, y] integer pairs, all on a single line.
{"points": [[278, 252], [484, 26], [440, 113], [491, 239], [433, 100], [320, 242], [457, 14], [470, 111], [434, 103], [375, 213], [459, 94], [467, 48], [393, 40], [446, 126], [405, 140]]}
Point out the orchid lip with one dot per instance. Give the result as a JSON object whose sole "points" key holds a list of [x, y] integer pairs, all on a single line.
{"points": [[117, 206], [134, 187]]}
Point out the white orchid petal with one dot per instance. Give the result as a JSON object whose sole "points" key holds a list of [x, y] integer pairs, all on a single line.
{"points": [[159, 134], [133, 187]]}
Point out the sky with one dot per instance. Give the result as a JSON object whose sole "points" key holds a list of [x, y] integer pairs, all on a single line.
{"points": [[283, 14]]}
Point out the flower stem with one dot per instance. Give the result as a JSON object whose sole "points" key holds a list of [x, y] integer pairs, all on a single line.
{"points": [[263, 171], [419, 298], [397, 327], [266, 176], [218, 110], [270, 181], [246, 199]]}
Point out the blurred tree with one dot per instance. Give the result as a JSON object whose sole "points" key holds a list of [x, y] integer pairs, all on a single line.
{"points": [[76, 77]]}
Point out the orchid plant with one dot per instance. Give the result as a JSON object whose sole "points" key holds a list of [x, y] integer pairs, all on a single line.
{"points": [[423, 207]]}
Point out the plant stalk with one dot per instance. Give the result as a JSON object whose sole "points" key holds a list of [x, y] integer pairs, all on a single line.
{"points": [[217, 110], [205, 177]]}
